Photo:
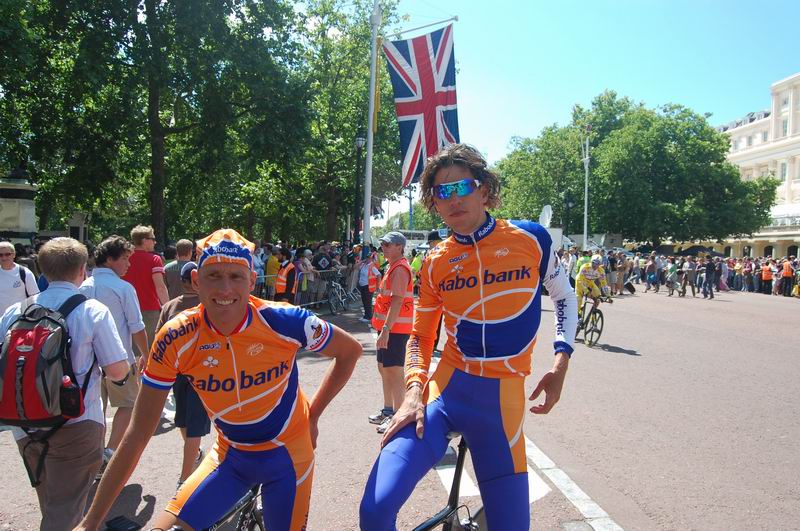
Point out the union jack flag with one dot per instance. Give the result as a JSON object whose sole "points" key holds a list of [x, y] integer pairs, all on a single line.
{"points": [[423, 74]]}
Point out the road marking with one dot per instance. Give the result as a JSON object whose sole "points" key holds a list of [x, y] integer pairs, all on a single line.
{"points": [[594, 514]]}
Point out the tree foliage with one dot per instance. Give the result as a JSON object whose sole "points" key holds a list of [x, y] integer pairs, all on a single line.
{"points": [[655, 174], [191, 115]]}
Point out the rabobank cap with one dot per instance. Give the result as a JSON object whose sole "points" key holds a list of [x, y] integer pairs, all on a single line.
{"points": [[225, 246]]}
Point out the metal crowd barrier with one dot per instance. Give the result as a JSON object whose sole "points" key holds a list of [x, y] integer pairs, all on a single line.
{"points": [[312, 289]]}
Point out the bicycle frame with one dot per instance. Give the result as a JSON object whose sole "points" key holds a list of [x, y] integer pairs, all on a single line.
{"points": [[450, 511]]}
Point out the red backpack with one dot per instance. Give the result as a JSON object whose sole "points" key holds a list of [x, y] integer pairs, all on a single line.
{"points": [[38, 387]]}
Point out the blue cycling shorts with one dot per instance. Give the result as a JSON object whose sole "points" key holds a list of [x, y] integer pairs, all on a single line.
{"points": [[284, 473], [489, 412]]}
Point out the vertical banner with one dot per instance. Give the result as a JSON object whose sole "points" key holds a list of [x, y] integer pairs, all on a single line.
{"points": [[423, 75]]}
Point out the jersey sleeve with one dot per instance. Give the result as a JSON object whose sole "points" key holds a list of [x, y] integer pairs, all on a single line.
{"points": [[162, 363], [419, 348], [299, 325], [556, 280]]}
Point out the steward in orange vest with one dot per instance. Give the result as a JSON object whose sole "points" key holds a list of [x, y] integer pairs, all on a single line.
{"points": [[286, 283]]}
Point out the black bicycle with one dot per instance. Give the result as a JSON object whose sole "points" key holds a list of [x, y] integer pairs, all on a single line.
{"points": [[591, 320], [448, 518], [246, 514]]}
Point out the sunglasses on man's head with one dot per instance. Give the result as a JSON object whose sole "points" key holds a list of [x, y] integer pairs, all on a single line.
{"points": [[461, 188]]}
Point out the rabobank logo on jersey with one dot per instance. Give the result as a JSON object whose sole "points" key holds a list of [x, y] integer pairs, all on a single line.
{"points": [[489, 277], [212, 385], [170, 335]]}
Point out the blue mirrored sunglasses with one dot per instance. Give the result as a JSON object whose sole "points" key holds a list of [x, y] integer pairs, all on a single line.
{"points": [[461, 188]]}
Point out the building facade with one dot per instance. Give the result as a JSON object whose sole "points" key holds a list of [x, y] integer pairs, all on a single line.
{"points": [[764, 143]]}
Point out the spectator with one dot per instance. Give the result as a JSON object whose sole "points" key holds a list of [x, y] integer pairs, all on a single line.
{"points": [[392, 317], [17, 282], [24, 258], [787, 272], [146, 274], [76, 449], [112, 259], [190, 415], [271, 270], [368, 277], [321, 264], [286, 281], [172, 271]]}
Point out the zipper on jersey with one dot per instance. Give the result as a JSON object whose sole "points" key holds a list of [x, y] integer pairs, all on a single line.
{"points": [[483, 307], [235, 373]]}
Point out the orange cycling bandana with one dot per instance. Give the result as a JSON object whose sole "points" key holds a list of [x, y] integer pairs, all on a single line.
{"points": [[225, 246]]}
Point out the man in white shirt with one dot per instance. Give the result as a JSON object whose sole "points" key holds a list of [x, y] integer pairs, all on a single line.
{"points": [[105, 285], [12, 286], [76, 449]]}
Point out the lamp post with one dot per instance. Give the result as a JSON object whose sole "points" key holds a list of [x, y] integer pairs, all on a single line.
{"points": [[360, 143], [585, 149]]}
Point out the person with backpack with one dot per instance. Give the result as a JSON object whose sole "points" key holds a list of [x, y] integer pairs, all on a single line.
{"points": [[17, 282], [60, 426]]}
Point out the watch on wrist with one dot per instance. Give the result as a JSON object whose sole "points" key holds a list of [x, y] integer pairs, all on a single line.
{"points": [[387, 328]]}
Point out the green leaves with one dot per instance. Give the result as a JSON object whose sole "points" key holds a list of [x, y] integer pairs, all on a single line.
{"points": [[655, 174]]}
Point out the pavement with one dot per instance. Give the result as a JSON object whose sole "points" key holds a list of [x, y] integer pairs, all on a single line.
{"points": [[684, 416]]}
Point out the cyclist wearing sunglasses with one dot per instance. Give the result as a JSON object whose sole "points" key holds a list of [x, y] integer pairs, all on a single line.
{"points": [[486, 279]]}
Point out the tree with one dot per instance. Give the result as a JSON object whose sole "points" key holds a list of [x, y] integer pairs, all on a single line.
{"points": [[655, 174], [664, 175]]}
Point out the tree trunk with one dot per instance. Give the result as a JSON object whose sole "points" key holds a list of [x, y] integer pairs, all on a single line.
{"points": [[268, 225], [249, 221], [158, 178], [330, 216]]}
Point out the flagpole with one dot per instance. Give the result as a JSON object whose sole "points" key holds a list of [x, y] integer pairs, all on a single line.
{"points": [[451, 19], [375, 21]]}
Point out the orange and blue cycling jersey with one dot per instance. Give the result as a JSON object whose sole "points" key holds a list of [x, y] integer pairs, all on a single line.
{"points": [[248, 383], [489, 286]]}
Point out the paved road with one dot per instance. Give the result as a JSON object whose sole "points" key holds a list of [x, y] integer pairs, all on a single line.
{"points": [[684, 417]]}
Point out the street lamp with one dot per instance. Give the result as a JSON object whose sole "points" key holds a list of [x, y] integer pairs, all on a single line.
{"points": [[586, 151], [360, 143]]}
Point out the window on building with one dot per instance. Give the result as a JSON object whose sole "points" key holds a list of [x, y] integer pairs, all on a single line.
{"points": [[785, 102], [764, 136], [734, 144], [749, 140], [785, 127], [783, 171]]}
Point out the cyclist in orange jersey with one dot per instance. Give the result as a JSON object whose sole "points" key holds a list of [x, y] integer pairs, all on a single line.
{"points": [[239, 353], [487, 279]]}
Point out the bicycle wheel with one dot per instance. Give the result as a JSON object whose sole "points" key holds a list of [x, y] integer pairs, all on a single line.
{"points": [[594, 328], [334, 303]]}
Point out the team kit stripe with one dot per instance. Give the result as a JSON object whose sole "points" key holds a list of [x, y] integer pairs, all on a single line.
{"points": [[157, 382]]}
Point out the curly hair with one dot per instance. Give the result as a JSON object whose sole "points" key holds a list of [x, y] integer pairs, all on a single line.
{"points": [[112, 248], [467, 157]]}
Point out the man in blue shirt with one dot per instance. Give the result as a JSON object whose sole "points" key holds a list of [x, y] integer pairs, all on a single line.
{"points": [[105, 285]]}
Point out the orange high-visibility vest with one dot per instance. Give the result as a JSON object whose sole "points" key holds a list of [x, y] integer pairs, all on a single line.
{"points": [[766, 272], [787, 270], [283, 275], [383, 301], [372, 278]]}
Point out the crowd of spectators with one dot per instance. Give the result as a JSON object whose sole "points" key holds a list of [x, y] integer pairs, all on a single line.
{"points": [[704, 274]]}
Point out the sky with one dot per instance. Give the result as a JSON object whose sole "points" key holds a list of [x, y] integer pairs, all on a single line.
{"points": [[523, 65]]}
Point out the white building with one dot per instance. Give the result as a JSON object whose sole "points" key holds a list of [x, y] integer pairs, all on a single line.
{"points": [[768, 142]]}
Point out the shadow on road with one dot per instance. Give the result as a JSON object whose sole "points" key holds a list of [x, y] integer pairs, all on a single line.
{"points": [[128, 501], [618, 350], [611, 348]]}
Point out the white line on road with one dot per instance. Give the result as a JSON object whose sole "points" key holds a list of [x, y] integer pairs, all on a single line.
{"points": [[594, 514]]}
